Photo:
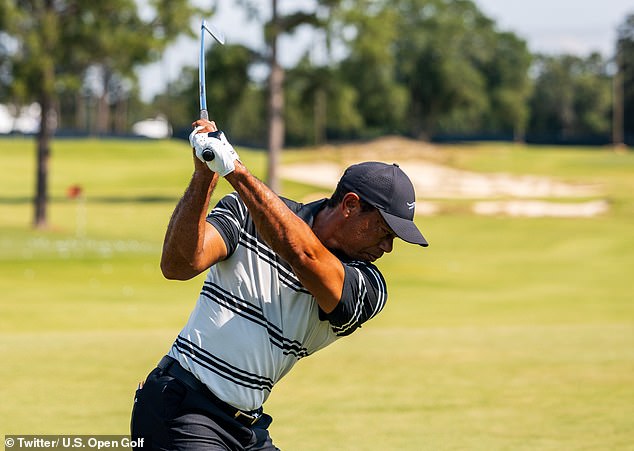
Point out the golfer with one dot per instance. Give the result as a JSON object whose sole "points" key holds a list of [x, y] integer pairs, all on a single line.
{"points": [[284, 280]]}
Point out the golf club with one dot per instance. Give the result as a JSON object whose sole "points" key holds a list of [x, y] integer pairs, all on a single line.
{"points": [[208, 155]]}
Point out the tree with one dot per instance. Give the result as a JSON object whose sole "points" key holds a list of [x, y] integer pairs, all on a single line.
{"points": [[450, 58], [321, 94], [55, 43], [277, 25], [571, 97], [625, 72], [371, 65], [508, 85], [423, 66]]}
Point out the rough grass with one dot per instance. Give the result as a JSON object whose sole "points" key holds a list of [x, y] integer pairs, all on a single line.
{"points": [[505, 334]]}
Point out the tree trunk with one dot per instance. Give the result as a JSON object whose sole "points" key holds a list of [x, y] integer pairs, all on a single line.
{"points": [[275, 107], [617, 103], [121, 116], [43, 156], [519, 133], [103, 108], [80, 112], [46, 97]]}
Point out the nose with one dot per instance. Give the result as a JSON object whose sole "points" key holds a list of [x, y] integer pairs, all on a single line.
{"points": [[387, 244]]}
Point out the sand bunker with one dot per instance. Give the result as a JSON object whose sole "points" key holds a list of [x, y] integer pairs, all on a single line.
{"points": [[435, 181], [535, 209]]}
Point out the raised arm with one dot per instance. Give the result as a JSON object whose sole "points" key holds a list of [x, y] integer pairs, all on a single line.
{"points": [[290, 237], [191, 244]]}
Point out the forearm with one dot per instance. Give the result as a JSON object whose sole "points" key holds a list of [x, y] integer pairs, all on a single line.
{"points": [[278, 225], [184, 245], [291, 238]]}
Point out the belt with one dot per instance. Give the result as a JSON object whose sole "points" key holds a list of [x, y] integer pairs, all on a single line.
{"points": [[171, 366]]}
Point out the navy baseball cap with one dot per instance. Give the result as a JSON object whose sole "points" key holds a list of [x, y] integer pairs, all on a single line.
{"points": [[387, 188]]}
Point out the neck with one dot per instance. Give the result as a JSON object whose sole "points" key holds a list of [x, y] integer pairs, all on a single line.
{"points": [[326, 226]]}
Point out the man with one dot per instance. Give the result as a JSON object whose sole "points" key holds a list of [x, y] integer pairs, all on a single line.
{"points": [[284, 280]]}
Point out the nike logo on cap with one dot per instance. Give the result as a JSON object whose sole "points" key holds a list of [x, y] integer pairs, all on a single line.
{"points": [[411, 205]]}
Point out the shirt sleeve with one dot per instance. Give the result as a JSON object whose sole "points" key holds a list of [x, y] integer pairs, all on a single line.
{"points": [[363, 296], [229, 217]]}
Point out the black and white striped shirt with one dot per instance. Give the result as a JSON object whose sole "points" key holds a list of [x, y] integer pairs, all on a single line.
{"points": [[254, 320]]}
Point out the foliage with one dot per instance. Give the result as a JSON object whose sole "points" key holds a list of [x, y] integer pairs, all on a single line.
{"points": [[318, 100], [625, 50], [424, 66], [572, 96], [226, 72], [73, 35], [56, 42], [247, 123], [415, 67], [371, 65]]}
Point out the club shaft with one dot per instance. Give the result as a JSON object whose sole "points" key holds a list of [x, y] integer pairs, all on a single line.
{"points": [[208, 155], [201, 73]]}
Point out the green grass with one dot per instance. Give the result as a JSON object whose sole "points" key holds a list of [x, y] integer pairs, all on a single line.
{"points": [[505, 334]]}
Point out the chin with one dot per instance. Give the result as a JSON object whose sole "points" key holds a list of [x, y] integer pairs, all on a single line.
{"points": [[369, 258]]}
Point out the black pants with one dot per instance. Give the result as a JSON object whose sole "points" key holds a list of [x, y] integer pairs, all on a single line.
{"points": [[171, 416]]}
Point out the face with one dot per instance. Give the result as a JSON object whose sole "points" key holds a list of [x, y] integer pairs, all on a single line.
{"points": [[365, 234]]}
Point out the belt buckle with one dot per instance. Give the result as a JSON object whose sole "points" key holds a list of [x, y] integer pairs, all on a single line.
{"points": [[251, 419]]}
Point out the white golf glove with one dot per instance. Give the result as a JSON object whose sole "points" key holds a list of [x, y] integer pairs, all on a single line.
{"points": [[224, 153]]}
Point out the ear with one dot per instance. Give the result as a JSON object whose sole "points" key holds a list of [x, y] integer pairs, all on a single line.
{"points": [[350, 204]]}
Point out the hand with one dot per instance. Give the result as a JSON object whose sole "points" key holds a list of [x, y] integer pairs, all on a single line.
{"points": [[202, 139]]}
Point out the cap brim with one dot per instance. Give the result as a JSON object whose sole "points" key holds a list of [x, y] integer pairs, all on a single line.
{"points": [[404, 229]]}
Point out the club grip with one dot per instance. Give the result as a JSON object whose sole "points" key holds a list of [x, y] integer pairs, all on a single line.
{"points": [[208, 155]]}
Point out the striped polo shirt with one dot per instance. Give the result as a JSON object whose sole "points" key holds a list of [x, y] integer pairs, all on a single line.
{"points": [[254, 320]]}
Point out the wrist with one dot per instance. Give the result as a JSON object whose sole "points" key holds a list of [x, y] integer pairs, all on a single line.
{"points": [[239, 171], [202, 172]]}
